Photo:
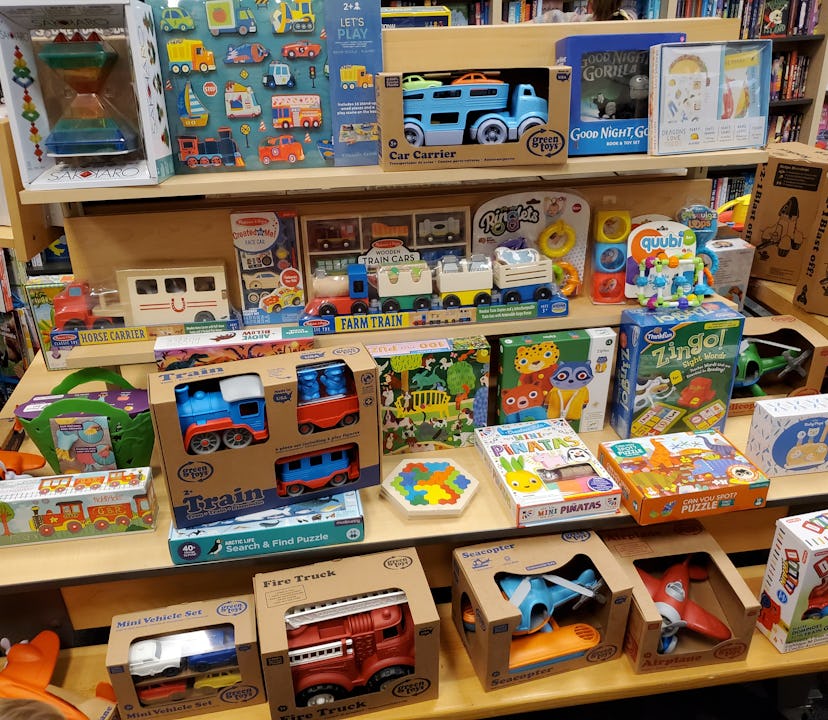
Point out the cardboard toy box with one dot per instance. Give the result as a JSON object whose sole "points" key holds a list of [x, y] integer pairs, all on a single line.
{"points": [[722, 600], [440, 147], [675, 476], [782, 356], [185, 660], [546, 473], [734, 257], [519, 623], [348, 636], [793, 596], [674, 369], [40, 293], [790, 196], [433, 393], [312, 413], [128, 142], [562, 374], [610, 88]]}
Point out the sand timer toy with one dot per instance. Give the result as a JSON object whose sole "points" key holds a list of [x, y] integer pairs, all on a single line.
{"points": [[90, 125]]}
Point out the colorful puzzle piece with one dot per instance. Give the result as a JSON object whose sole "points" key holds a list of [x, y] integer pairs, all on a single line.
{"points": [[436, 487]]}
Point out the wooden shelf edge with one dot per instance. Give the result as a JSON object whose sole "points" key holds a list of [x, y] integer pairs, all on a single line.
{"points": [[6, 236]]}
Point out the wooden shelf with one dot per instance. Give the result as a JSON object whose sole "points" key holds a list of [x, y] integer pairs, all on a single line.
{"points": [[796, 102], [6, 235], [796, 39]]}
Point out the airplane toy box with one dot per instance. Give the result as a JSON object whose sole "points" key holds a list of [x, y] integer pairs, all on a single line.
{"points": [[531, 607], [690, 606], [185, 660], [794, 596], [348, 636]]}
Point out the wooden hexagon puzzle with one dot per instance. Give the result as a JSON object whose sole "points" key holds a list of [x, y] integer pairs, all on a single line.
{"points": [[429, 488]]}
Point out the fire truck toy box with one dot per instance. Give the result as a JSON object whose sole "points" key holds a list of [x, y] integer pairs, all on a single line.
{"points": [[674, 369], [524, 119], [185, 660], [690, 606], [302, 425], [538, 606], [794, 595], [672, 477], [348, 636]]}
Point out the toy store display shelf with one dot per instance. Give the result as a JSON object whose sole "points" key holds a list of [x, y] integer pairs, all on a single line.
{"points": [[778, 298]]}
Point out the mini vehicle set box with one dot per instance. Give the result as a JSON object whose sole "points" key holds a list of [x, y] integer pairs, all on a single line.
{"points": [[307, 422], [539, 606], [690, 606], [681, 475], [185, 660], [546, 473], [674, 369], [794, 595], [348, 636]]}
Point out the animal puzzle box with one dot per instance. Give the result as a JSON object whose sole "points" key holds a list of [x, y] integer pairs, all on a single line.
{"points": [[681, 475], [674, 369], [557, 375]]}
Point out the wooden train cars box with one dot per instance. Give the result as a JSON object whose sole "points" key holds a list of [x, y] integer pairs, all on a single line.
{"points": [[301, 425], [60, 507]]}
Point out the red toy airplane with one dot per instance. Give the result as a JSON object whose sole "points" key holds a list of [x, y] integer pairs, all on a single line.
{"points": [[671, 594]]}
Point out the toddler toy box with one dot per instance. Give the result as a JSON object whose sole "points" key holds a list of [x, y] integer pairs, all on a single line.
{"points": [[672, 477], [734, 258], [794, 596], [545, 472], [302, 425], [690, 605], [185, 660], [557, 375], [538, 606], [674, 369], [610, 87], [348, 636], [788, 435]]}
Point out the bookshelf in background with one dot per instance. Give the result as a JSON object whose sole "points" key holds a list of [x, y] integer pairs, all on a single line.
{"points": [[730, 183], [462, 13], [822, 129]]}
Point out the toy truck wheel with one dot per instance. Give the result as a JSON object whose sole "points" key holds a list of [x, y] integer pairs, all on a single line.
{"points": [[543, 294], [812, 614], [319, 695], [204, 67], [101, 324], [295, 489], [349, 419], [311, 54], [512, 296], [101, 525], [253, 297], [182, 27], [243, 30], [359, 308], [170, 671], [305, 428], [192, 162], [451, 301], [204, 316], [327, 310], [46, 530], [492, 132], [205, 443], [414, 134], [382, 679], [291, 84], [292, 158], [237, 438], [266, 160], [338, 480], [74, 325], [291, 54], [175, 69], [74, 526], [528, 124], [390, 306], [422, 303], [482, 299]]}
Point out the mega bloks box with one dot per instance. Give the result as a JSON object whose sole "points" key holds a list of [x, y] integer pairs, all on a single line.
{"points": [[327, 520], [60, 507], [185, 660], [84, 93], [302, 425], [546, 473], [348, 636], [610, 88], [514, 116], [708, 96], [680, 475], [690, 606], [433, 393], [674, 369], [562, 374], [794, 594], [533, 607]]}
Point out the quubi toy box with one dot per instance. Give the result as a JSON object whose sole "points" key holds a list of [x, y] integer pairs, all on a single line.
{"points": [[433, 393], [348, 636], [302, 425], [184, 660], [546, 473], [61, 507], [708, 96], [610, 89], [794, 594], [681, 475], [515, 116], [538, 606], [781, 356], [86, 106], [790, 195], [327, 520], [788, 435], [690, 606], [557, 375], [674, 369]]}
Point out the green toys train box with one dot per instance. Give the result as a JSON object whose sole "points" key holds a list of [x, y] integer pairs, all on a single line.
{"points": [[675, 369], [557, 375], [433, 393]]}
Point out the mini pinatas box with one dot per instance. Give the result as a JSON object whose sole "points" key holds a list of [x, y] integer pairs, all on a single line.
{"points": [[546, 473], [682, 475]]}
